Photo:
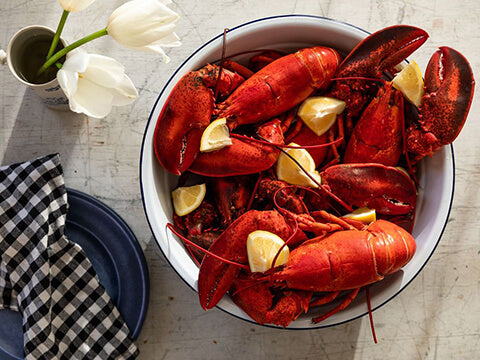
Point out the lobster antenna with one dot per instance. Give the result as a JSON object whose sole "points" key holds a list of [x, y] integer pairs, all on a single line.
{"points": [[220, 70], [264, 141], [370, 316], [191, 243], [294, 232], [254, 192], [360, 78], [411, 171], [249, 52], [252, 283]]}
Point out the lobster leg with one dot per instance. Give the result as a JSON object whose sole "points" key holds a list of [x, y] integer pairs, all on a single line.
{"points": [[325, 299], [449, 87], [347, 301], [238, 68], [258, 62]]}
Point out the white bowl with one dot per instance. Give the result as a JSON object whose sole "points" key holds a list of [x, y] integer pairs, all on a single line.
{"points": [[291, 32]]}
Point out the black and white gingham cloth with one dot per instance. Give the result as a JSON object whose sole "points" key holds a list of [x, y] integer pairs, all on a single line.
{"points": [[66, 313]]}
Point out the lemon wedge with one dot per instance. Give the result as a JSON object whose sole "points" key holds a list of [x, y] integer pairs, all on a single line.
{"points": [[289, 171], [216, 136], [319, 113], [410, 82], [262, 246], [188, 198], [363, 214]]}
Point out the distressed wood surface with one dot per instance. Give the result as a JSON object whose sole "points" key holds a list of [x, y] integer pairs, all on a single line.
{"points": [[436, 317]]}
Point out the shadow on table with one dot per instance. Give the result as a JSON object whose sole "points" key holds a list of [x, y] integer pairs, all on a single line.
{"points": [[39, 131], [177, 328]]}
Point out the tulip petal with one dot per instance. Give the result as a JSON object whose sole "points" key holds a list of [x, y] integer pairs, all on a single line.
{"points": [[68, 82], [77, 61], [91, 99], [74, 5], [104, 71], [171, 40], [67, 76], [125, 93], [144, 25]]}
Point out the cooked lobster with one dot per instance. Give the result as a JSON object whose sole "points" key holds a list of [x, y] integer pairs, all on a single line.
{"points": [[342, 260]]}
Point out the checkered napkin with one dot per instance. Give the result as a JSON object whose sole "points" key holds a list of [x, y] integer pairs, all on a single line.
{"points": [[66, 313]]}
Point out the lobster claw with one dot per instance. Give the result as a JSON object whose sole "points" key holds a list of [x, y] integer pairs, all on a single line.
{"points": [[257, 300], [449, 87], [374, 55], [384, 115], [386, 189], [186, 114], [216, 276], [243, 156], [382, 50]]}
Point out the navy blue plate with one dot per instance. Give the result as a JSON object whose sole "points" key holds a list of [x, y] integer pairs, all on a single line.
{"points": [[116, 256]]}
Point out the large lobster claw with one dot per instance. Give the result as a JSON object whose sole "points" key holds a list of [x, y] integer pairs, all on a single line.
{"points": [[382, 50], [215, 276], [374, 55], [449, 87], [377, 137], [386, 189], [186, 114], [257, 300], [243, 156]]}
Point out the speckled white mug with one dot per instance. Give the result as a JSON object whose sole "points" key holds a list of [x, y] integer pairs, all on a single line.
{"points": [[50, 92]]}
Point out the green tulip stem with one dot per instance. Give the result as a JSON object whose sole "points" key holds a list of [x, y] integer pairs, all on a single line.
{"points": [[61, 24], [70, 47]]}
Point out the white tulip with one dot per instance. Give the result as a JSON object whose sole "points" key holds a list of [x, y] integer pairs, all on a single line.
{"points": [[93, 83], [74, 5], [3, 57], [144, 25]]}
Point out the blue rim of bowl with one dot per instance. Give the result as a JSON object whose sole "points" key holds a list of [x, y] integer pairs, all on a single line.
{"points": [[143, 195], [140, 257]]}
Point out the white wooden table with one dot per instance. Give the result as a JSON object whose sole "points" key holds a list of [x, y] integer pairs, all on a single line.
{"points": [[435, 317]]}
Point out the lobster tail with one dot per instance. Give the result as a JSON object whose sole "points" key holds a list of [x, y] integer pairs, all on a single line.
{"points": [[393, 247], [280, 85], [321, 62], [347, 259]]}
